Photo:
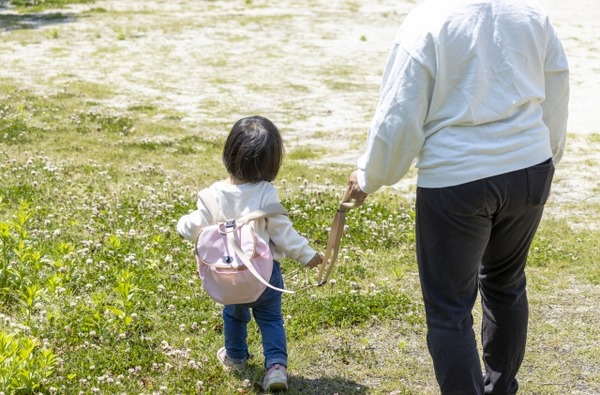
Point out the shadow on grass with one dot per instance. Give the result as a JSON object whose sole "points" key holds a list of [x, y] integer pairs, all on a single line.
{"points": [[12, 20], [325, 385], [299, 385]]}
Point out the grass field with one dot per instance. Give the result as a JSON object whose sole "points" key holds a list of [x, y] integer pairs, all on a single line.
{"points": [[115, 120]]}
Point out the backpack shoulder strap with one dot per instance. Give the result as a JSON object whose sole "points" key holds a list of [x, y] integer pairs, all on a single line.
{"points": [[267, 211], [210, 202]]}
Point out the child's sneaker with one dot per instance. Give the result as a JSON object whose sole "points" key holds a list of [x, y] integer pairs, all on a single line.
{"points": [[228, 364], [276, 378]]}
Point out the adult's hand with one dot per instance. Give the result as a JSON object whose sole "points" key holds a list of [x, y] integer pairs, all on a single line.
{"points": [[355, 192]]}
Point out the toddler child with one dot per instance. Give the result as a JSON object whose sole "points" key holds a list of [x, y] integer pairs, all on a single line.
{"points": [[252, 155]]}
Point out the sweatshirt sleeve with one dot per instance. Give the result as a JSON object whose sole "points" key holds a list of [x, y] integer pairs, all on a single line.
{"points": [[396, 133], [556, 102], [189, 225], [286, 239]]}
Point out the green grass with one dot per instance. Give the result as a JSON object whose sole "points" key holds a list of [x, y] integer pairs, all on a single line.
{"points": [[38, 5], [93, 274], [99, 295]]}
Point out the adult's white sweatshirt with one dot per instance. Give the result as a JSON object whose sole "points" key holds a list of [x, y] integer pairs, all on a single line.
{"points": [[471, 89]]}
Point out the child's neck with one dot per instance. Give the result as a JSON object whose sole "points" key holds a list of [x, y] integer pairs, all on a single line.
{"points": [[235, 181]]}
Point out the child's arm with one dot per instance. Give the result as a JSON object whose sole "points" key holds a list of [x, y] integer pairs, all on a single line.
{"points": [[284, 236], [190, 225], [288, 240]]}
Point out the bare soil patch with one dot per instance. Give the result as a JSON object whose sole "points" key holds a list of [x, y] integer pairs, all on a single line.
{"points": [[314, 67]]}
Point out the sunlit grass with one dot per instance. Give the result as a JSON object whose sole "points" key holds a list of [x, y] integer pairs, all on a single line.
{"points": [[96, 269], [99, 295], [38, 5]]}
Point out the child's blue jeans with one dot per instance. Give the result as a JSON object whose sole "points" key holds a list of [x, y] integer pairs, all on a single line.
{"points": [[267, 313]]}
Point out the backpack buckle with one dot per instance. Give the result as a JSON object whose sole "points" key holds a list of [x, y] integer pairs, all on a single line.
{"points": [[229, 227]]}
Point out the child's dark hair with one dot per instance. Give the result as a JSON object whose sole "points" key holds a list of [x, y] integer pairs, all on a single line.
{"points": [[253, 151]]}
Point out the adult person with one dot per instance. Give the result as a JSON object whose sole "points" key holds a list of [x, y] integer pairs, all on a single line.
{"points": [[477, 92]]}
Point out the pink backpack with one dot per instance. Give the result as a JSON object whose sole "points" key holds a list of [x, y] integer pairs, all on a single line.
{"points": [[234, 263]]}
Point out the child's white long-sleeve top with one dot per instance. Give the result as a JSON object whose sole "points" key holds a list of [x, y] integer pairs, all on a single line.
{"points": [[238, 200]]}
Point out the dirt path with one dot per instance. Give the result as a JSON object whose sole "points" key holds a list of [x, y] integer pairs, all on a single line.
{"points": [[313, 66], [576, 182]]}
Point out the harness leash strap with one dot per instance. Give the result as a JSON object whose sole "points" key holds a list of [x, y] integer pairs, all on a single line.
{"points": [[242, 255]]}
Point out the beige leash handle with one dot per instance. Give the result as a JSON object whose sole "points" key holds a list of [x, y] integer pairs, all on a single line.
{"points": [[335, 236]]}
